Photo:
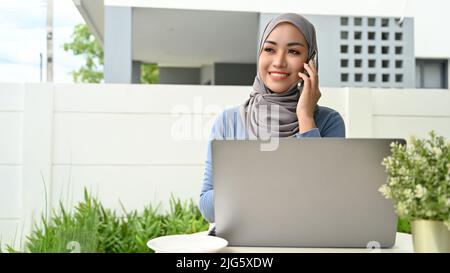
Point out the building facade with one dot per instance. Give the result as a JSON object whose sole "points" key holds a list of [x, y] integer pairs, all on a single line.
{"points": [[216, 44]]}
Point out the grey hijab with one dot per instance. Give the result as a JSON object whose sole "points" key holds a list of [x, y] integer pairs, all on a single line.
{"points": [[269, 113]]}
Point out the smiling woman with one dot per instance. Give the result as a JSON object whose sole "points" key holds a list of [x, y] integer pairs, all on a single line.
{"points": [[287, 48], [281, 61]]}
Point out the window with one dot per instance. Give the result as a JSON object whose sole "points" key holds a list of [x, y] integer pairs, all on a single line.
{"points": [[344, 21], [431, 73]]}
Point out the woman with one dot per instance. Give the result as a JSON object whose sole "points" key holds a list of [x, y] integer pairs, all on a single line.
{"points": [[287, 48]]}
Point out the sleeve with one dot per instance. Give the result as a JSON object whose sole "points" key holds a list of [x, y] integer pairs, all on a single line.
{"points": [[207, 193], [333, 126], [206, 203], [314, 132]]}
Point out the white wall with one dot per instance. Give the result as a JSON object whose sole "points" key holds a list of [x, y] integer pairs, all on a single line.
{"points": [[118, 140]]}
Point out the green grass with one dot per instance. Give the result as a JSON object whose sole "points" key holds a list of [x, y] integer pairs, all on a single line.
{"points": [[97, 229]]}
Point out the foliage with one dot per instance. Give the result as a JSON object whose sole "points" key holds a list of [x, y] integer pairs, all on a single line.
{"points": [[404, 226], [97, 229], [419, 179], [149, 73], [84, 43]]}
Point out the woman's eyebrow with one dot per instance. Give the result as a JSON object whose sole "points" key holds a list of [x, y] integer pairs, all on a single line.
{"points": [[289, 44]]}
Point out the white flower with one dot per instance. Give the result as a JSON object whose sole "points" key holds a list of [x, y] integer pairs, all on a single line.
{"points": [[402, 209], [408, 193], [386, 191], [420, 191], [393, 181], [437, 151]]}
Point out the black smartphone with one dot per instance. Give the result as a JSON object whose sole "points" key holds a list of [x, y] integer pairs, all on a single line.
{"points": [[314, 59]]}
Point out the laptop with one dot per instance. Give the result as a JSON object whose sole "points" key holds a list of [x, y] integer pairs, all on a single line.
{"points": [[311, 192]]}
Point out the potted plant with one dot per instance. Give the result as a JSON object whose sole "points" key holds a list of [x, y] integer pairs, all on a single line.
{"points": [[419, 185]]}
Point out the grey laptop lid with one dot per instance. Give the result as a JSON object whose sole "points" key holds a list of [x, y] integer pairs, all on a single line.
{"points": [[312, 192]]}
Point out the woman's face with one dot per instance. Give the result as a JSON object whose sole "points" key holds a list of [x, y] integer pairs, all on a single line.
{"points": [[282, 57]]}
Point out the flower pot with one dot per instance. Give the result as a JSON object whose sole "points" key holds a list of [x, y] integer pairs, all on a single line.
{"points": [[430, 236]]}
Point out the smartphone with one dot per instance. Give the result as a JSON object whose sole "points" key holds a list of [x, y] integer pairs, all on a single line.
{"points": [[314, 59]]}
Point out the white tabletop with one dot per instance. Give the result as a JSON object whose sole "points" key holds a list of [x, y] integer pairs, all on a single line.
{"points": [[403, 244]]}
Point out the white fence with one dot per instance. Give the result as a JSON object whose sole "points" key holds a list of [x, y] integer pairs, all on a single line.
{"points": [[140, 143]]}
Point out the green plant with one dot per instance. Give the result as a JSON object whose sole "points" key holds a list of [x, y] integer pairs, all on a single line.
{"points": [[97, 229], [57, 233], [419, 179], [85, 44], [403, 225]]}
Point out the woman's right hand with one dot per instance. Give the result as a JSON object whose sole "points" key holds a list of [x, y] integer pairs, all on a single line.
{"points": [[308, 99]]}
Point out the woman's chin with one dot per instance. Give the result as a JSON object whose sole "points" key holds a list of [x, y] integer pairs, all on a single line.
{"points": [[278, 89], [280, 86]]}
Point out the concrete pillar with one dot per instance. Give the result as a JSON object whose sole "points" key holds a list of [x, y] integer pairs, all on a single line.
{"points": [[118, 46]]}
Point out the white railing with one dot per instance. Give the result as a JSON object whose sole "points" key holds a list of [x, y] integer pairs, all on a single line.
{"points": [[140, 143]]}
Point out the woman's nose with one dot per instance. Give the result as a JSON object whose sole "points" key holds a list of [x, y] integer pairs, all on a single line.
{"points": [[279, 61]]}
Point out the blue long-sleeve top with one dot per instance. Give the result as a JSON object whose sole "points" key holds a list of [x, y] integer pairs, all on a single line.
{"points": [[229, 125]]}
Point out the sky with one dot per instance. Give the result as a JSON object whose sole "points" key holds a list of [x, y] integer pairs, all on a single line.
{"points": [[23, 38]]}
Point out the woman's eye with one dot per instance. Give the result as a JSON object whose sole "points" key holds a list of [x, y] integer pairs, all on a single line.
{"points": [[267, 49], [295, 52]]}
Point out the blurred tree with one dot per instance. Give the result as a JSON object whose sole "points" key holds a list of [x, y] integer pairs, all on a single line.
{"points": [[149, 73], [84, 43]]}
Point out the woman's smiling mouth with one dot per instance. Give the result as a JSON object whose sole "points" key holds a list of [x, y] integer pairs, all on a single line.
{"points": [[279, 75]]}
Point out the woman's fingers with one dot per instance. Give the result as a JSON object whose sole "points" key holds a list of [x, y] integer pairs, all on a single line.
{"points": [[305, 78], [312, 73], [313, 77], [312, 66]]}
